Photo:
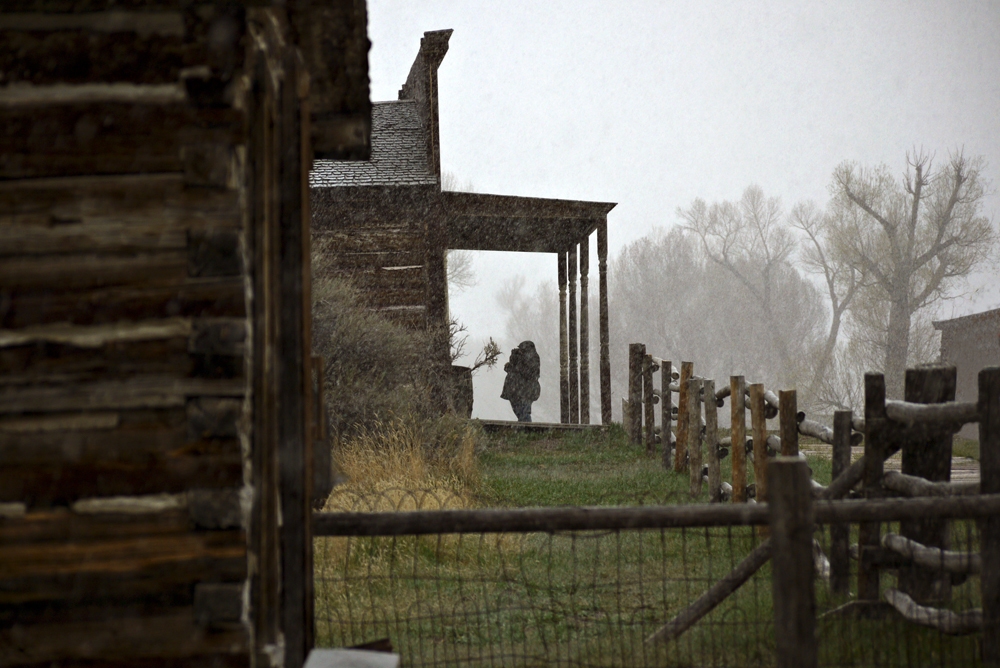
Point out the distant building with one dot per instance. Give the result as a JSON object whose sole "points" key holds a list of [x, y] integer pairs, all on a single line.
{"points": [[388, 226], [970, 342]]}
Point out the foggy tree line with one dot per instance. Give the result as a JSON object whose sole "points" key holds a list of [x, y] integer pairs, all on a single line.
{"points": [[809, 297]]}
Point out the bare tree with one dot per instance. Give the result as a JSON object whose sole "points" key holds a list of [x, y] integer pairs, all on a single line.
{"points": [[841, 280], [750, 241], [915, 239]]}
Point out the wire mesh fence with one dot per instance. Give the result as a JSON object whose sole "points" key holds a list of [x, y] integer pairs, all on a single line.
{"points": [[594, 597]]}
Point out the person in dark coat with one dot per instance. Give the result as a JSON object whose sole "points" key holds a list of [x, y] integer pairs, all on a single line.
{"points": [[521, 386]]}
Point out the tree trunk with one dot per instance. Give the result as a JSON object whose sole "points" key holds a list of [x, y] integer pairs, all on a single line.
{"points": [[897, 347]]}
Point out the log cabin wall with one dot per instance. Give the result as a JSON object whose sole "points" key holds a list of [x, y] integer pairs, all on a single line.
{"points": [[155, 396]]}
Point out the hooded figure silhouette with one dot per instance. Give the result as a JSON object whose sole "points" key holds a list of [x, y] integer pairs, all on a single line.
{"points": [[521, 386]]}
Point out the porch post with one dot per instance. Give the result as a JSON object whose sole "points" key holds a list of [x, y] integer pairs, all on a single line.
{"points": [[563, 344], [602, 268], [585, 331], [574, 373]]}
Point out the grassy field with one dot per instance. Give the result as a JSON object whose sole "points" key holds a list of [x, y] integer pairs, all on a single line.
{"points": [[575, 599]]}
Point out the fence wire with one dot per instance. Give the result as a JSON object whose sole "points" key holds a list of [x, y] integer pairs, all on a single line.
{"points": [[592, 598]]}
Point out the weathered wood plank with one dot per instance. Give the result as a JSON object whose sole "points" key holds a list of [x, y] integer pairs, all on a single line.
{"points": [[18, 239], [375, 240], [139, 392], [91, 270], [111, 138], [158, 201], [214, 253], [190, 298], [176, 635], [40, 361]]}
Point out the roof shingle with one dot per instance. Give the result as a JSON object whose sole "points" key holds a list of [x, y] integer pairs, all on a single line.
{"points": [[398, 155]]}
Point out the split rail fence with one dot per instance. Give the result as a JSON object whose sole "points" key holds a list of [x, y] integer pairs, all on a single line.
{"points": [[932, 514]]}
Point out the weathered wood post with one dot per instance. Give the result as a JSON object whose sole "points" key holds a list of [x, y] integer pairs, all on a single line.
{"points": [[989, 471], [792, 519], [585, 331], [563, 342], [927, 455], [666, 406], [680, 452], [636, 354], [869, 532], [788, 424], [712, 442], [603, 320], [574, 341], [694, 435], [758, 422], [648, 404], [840, 564], [738, 429]]}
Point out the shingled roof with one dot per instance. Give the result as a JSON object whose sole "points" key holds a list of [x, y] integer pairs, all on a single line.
{"points": [[398, 153]]}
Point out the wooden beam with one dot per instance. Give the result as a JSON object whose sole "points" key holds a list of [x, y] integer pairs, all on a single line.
{"points": [[738, 429], [563, 341], [585, 331], [574, 341], [605, 338], [989, 467]]}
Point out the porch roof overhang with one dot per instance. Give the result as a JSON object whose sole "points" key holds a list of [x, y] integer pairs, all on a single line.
{"points": [[524, 224]]}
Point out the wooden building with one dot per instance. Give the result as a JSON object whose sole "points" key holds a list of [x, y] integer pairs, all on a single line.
{"points": [[970, 343], [157, 397], [390, 226]]}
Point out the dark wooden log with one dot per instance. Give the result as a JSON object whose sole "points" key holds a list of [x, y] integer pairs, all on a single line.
{"points": [[140, 392], [636, 354], [215, 508], [683, 418], [666, 415], [789, 424], [176, 636], [738, 430], [585, 331], [218, 602], [916, 486], [791, 525], [927, 456], [574, 341], [989, 528], [218, 336], [946, 621], [840, 566], [92, 271], [693, 436], [44, 138], [874, 459], [648, 405], [188, 299], [213, 417], [712, 443], [213, 253]]}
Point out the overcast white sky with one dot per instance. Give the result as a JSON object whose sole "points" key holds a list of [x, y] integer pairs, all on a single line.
{"points": [[653, 104]]}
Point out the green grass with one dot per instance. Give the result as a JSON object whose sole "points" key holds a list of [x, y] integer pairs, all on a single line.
{"points": [[586, 598]]}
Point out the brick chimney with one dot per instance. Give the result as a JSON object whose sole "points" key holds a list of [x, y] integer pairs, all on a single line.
{"points": [[422, 87]]}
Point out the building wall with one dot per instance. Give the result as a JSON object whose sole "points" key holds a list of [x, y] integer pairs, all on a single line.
{"points": [[970, 343]]}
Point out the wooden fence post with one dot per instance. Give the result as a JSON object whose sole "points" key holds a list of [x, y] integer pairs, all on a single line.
{"points": [[693, 436], [792, 518], [758, 422], [929, 457], [738, 429], [636, 354], [666, 398], [869, 532], [989, 468], [712, 442], [840, 564], [648, 404], [788, 424], [680, 452]]}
